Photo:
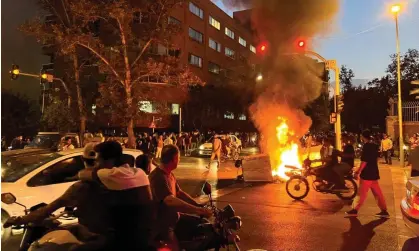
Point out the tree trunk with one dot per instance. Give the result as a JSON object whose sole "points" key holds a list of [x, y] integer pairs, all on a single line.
{"points": [[130, 125], [80, 104]]}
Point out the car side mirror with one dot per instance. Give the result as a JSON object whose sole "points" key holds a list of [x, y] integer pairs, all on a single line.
{"points": [[207, 188], [8, 198]]}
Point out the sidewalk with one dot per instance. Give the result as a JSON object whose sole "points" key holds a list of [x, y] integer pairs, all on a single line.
{"points": [[399, 178]]}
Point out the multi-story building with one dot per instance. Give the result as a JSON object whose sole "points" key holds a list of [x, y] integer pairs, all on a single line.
{"points": [[218, 49]]}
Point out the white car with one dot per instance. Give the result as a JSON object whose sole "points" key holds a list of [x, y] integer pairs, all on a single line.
{"points": [[25, 174], [206, 148], [410, 205]]}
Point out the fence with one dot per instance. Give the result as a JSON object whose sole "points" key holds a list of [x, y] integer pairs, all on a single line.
{"points": [[410, 111]]}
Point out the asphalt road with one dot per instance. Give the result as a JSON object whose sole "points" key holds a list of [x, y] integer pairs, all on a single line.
{"points": [[273, 221], [191, 175]]}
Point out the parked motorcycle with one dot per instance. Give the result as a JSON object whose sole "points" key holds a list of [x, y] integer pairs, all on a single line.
{"points": [[298, 187], [221, 233], [47, 235]]}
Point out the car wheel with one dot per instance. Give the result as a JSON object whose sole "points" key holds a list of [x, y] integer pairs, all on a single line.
{"points": [[5, 232]]}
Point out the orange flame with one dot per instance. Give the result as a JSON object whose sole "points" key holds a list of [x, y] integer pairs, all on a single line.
{"points": [[287, 152]]}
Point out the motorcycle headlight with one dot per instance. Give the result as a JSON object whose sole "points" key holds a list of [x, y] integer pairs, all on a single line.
{"points": [[201, 147], [234, 223], [405, 147]]}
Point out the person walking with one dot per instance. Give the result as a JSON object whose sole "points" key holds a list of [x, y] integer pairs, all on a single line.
{"points": [[216, 151], [368, 175], [160, 145], [386, 146]]}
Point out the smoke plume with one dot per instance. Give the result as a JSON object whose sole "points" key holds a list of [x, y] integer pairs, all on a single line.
{"points": [[289, 82]]}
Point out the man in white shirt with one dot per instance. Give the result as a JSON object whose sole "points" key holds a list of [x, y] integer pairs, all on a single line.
{"points": [[386, 146]]}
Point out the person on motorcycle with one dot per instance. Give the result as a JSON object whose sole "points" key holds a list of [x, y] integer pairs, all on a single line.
{"points": [[87, 198], [329, 161], [129, 200], [174, 206]]}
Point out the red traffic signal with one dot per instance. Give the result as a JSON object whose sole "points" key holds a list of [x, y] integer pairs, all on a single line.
{"points": [[301, 43], [263, 47]]}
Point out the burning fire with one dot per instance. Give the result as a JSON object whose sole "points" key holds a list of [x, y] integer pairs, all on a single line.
{"points": [[287, 151]]}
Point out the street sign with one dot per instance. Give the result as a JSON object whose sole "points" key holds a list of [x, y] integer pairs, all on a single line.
{"points": [[152, 125], [332, 118]]}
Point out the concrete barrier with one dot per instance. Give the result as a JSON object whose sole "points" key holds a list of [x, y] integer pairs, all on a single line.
{"points": [[257, 168]]}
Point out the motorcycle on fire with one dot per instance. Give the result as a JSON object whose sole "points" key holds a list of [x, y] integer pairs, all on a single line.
{"points": [[221, 233], [298, 185], [48, 235]]}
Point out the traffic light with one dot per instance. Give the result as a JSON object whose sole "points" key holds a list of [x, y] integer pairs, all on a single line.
{"points": [[301, 45], [263, 47], [14, 73], [339, 103], [43, 77]]}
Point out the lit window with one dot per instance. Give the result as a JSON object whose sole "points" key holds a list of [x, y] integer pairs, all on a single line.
{"points": [[196, 10], [195, 60], [214, 45], [229, 33], [173, 20], [229, 52], [175, 109], [229, 115], [214, 68], [195, 35], [252, 49], [145, 106], [214, 23], [242, 41], [242, 117]]}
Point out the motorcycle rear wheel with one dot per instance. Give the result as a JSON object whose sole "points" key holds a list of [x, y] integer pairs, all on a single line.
{"points": [[353, 190], [300, 183]]}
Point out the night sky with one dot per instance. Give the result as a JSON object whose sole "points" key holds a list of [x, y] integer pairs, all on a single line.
{"points": [[18, 48]]}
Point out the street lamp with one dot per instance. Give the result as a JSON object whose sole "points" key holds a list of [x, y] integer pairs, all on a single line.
{"points": [[395, 9], [259, 77]]}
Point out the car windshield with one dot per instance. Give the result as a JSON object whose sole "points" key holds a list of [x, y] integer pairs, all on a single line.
{"points": [[45, 141], [17, 166]]}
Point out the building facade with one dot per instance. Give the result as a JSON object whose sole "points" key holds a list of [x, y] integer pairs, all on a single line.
{"points": [[216, 47]]}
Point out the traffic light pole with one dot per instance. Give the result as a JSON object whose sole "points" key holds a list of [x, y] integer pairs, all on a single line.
{"points": [[332, 65], [338, 128], [49, 78]]}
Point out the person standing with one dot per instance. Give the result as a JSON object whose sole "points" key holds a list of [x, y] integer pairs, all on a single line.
{"points": [[368, 175], [68, 145], [216, 151], [160, 145], [168, 140], [386, 146], [17, 143]]}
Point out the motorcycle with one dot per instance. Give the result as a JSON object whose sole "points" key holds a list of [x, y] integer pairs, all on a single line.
{"points": [[297, 186], [221, 233], [47, 235], [234, 154]]}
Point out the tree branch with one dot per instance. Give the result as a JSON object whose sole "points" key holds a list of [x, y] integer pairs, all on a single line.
{"points": [[104, 60], [142, 52], [124, 48]]}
